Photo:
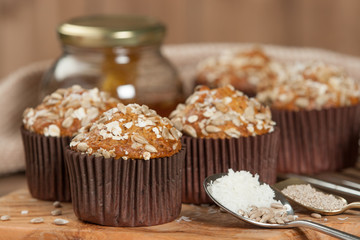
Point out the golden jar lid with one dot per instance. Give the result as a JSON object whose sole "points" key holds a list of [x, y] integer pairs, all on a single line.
{"points": [[111, 30]]}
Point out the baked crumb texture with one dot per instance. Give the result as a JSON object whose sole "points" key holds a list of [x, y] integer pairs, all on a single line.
{"points": [[65, 111], [309, 86], [129, 132], [221, 113], [248, 70]]}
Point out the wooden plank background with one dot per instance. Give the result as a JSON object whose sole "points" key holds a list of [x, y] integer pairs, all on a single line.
{"points": [[27, 27]]}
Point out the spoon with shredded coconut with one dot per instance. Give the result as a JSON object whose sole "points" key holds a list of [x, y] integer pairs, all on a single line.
{"points": [[239, 192], [313, 199]]}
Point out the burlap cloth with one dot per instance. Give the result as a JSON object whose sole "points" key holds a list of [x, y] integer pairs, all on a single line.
{"points": [[21, 88]]}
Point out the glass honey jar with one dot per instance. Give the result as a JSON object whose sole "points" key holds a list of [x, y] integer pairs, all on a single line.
{"points": [[119, 54]]}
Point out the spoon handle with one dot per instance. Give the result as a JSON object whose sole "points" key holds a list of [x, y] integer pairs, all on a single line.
{"points": [[324, 229], [353, 205]]}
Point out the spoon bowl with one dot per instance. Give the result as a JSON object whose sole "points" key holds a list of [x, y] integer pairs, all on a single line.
{"points": [[296, 181], [278, 196]]}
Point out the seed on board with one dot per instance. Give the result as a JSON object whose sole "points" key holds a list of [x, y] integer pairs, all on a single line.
{"points": [[56, 212], [57, 204], [60, 221], [277, 205], [315, 215], [5, 218], [37, 220], [24, 212]]}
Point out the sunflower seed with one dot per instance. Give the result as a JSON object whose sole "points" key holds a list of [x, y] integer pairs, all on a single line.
{"points": [[146, 155], [212, 129], [139, 139], [53, 131], [260, 116], [221, 107], [150, 148], [56, 95], [208, 113], [57, 204], [315, 215], [190, 130], [232, 132], [166, 134], [60, 221], [5, 218], [178, 124], [82, 147], [24, 212], [37, 220], [249, 113], [277, 205], [175, 133], [56, 212], [67, 122], [192, 118], [302, 102]]}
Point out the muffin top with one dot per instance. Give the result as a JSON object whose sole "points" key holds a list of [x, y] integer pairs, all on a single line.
{"points": [[129, 131], [65, 111], [221, 113], [312, 86], [245, 70]]}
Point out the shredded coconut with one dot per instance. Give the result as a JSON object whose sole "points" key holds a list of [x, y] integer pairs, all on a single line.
{"points": [[241, 190]]}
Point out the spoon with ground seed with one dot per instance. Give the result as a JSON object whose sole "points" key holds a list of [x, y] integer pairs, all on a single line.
{"points": [[256, 214], [313, 199]]}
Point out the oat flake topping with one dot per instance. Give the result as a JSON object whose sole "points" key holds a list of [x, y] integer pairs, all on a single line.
{"points": [[65, 111], [313, 85], [129, 132], [222, 113]]}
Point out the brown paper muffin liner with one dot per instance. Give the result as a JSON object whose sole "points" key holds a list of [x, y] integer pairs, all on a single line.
{"points": [[205, 157], [318, 140], [46, 172], [117, 192]]}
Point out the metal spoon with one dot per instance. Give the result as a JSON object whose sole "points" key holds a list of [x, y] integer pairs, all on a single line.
{"points": [[295, 181], [279, 196]]}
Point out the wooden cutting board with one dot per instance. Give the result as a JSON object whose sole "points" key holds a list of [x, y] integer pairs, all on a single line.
{"points": [[206, 222]]}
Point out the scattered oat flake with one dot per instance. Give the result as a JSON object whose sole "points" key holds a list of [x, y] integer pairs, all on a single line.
{"points": [[60, 221], [57, 204], [343, 219], [183, 218], [24, 212], [5, 218], [325, 219], [56, 212], [37, 220], [212, 210]]}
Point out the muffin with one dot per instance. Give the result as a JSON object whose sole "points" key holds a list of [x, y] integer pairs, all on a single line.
{"points": [[248, 71], [317, 110], [224, 129], [47, 130], [126, 168]]}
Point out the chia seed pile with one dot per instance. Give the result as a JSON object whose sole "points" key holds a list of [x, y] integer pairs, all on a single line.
{"points": [[309, 196]]}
